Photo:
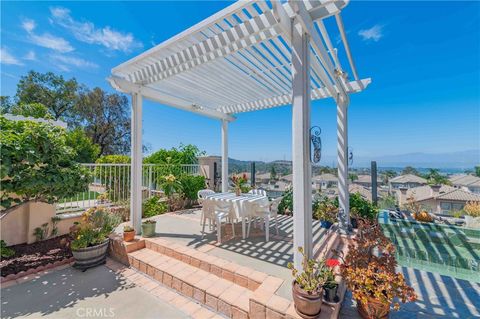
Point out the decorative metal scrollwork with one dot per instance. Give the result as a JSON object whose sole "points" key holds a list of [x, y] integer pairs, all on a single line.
{"points": [[350, 156], [316, 140]]}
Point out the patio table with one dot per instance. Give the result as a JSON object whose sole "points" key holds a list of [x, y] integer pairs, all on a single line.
{"points": [[241, 207]]}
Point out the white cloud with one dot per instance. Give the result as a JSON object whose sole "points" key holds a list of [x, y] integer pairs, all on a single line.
{"points": [[87, 32], [65, 61], [375, 33], [46, 40], [31, 56], [7, 58], [29, 25]]}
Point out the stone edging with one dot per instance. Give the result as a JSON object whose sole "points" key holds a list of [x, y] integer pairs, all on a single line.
{"points": [[31, 273]]}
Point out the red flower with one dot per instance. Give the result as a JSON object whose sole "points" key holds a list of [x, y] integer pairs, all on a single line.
{"points": [[332, 262]]}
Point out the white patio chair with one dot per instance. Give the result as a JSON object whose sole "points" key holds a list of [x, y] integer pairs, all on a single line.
{"points": [[266, 211], [258, 191], [223, 211], [201, 194]]}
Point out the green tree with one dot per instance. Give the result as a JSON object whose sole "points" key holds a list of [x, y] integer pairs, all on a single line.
{"points": [[387, 202], [5, 104], [477, 170], [36, 110], [105, 119], [410, 170], [273, 173], [184, 154], [387, 175], [352, 177], [53, 91], [37, 164], [86, 150], [434, 177]]}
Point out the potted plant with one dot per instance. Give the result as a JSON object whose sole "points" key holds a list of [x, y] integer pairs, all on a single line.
{"points": [[238, 182], [148, 228], [331, 286], [326, 212], [128, 233], [307, 286], [369, 272], [90, 237]]}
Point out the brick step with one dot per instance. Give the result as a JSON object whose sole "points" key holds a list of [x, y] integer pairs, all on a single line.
{"points": [[243, 276], [220, 295]]}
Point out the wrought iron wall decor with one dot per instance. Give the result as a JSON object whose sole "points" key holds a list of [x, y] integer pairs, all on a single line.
{"points": [[350, 156], [316, 140]]}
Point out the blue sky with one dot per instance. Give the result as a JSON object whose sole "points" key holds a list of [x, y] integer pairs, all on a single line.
{"points": [[423, 58]]}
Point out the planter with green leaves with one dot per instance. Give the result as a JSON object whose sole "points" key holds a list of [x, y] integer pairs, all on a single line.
{"points": [[331, 286], [326, 212], [369, 272], [128, 233], [148, 228], [90, 238], [307, 286]]}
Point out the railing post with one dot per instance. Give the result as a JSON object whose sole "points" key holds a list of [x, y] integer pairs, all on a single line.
{"points": [[149, 181]]}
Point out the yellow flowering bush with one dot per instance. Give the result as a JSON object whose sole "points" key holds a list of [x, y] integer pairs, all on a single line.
{"points": [[472, 208]]}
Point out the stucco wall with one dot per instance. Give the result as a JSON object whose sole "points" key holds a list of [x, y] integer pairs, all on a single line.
{"points": [[18, 225]]}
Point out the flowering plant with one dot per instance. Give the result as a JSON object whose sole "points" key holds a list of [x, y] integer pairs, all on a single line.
{"points": [[369, 268], [330, 281], [239, 181], [97, 223]]}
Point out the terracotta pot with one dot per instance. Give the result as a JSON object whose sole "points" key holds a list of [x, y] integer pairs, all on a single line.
{"points": [[128, 235], [307, 305], [374, 309]]}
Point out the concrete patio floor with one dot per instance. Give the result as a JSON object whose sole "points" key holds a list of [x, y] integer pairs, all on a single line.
{"points": [[438, 297], [70, 293]]}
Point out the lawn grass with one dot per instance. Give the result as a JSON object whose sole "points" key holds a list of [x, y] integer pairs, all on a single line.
{"points": [[80, 196]]}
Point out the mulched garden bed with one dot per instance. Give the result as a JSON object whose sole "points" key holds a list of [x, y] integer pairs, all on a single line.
{"points": [[31, 256]]}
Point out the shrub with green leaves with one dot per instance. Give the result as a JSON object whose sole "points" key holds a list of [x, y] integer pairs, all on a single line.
{"points": [[191, 185], [286, 204], [154, 206], [36, 164], [5, 252], [360, 207]]}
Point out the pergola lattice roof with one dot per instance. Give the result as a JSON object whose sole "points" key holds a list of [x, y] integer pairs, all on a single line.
{"points": [[239, 60]]}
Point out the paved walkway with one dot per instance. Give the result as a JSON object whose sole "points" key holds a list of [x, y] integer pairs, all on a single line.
{"points": [[438, 297], [96, 293]]}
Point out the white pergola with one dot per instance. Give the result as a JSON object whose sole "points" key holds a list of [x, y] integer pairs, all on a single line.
{"points": [[252, 55]]}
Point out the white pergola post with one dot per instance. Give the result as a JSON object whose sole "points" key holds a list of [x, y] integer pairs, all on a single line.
{"points": [[342, 163], [302, 186], [136, 166], [224, 156]]}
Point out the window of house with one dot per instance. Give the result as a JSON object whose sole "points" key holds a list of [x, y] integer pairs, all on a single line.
{"points": [[457, 206], [445, 206]]}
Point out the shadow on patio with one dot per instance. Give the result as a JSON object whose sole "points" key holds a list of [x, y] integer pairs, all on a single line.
{"points": [[70, 293]]}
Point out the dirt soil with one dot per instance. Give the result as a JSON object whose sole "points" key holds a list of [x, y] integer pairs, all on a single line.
{"points": [[41, 253]]}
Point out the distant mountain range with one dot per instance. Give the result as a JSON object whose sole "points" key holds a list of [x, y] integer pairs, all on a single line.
{"points": [[454, 161]]}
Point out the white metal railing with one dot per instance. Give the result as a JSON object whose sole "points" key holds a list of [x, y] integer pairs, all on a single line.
{"points": [[111, 184]]}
